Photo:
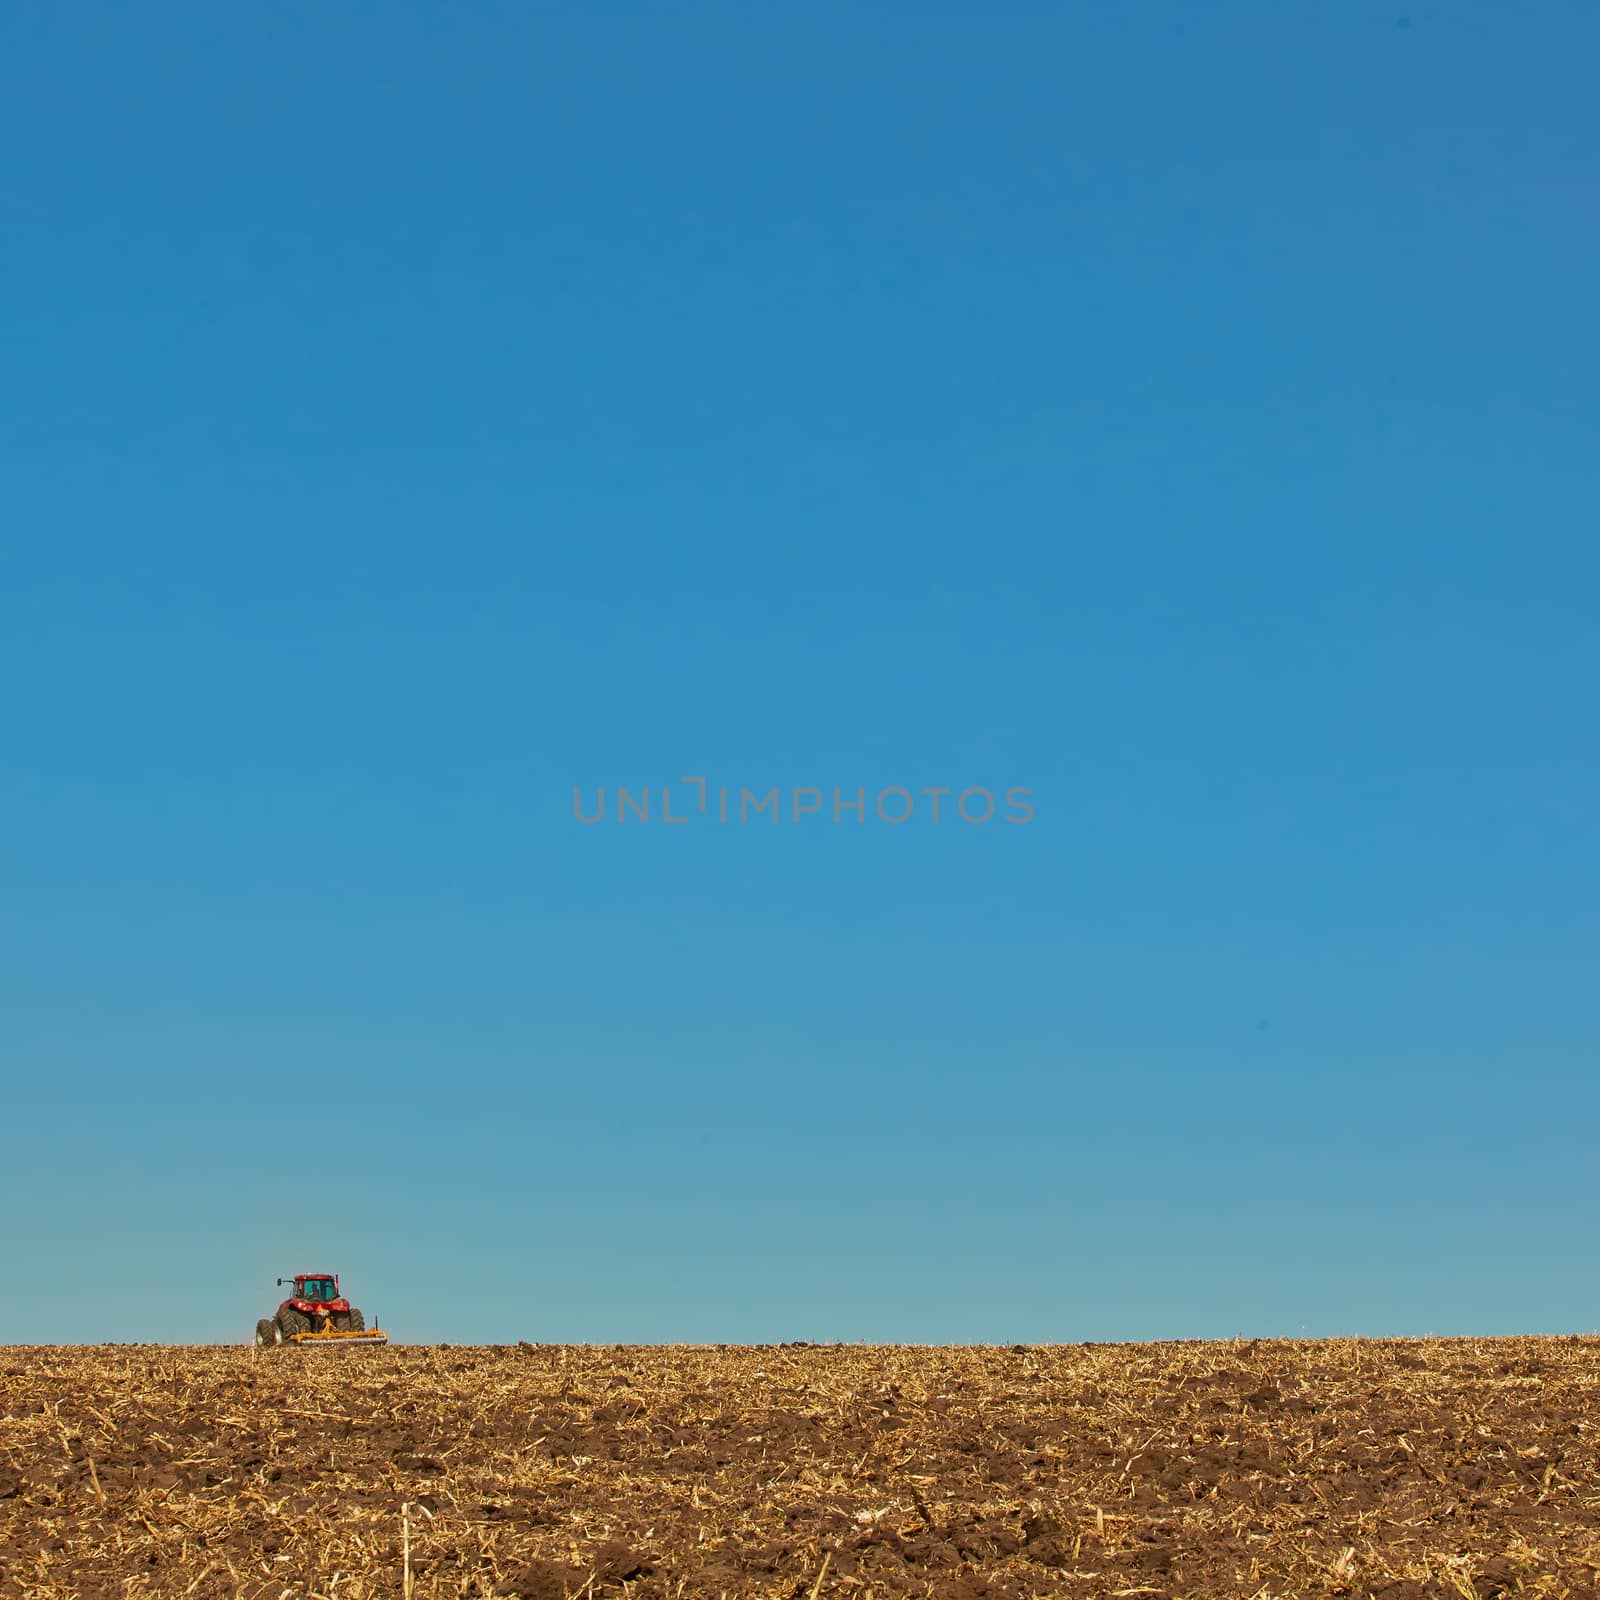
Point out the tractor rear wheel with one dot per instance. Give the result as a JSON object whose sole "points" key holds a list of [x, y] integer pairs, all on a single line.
{"points": [[266, 1333], [357, 1322], [291, 1322]]}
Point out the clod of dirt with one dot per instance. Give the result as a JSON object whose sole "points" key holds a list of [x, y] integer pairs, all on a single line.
{"points": [[1498, 1578], [616, 1563], [544, 1580], [613, 1563]]}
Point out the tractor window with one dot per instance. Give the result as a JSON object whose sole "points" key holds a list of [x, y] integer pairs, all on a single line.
{"points": [[317, 1289]]}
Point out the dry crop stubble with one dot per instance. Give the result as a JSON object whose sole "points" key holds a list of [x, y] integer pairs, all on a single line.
{"points": [[1391, 1468]]}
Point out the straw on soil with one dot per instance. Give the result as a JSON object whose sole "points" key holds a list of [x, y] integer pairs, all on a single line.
{"points": [[1463, 1469]]}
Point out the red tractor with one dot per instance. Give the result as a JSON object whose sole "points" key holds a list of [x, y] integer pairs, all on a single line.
{"points": [[314, 1312]]}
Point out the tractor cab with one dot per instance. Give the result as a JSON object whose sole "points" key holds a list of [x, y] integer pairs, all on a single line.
{"points": [[317, 1289]]}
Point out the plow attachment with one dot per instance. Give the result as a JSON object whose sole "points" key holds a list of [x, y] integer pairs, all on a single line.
{"points": [[332, 1337]]}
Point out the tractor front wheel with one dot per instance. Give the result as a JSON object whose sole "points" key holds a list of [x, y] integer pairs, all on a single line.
{"points": [[291, 1322], [266, 1333]]}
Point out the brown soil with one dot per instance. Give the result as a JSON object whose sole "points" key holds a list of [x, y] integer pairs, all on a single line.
{"points": [[1454, 1468]]}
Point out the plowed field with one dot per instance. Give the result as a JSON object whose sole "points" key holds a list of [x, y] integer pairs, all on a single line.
{"points": [[1451, 1468]]}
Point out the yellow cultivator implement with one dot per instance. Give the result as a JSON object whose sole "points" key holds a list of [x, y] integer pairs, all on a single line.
{"points": [[321, 1338]]}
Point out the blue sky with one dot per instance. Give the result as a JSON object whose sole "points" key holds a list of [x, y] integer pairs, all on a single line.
{"points": [[1184, 413]]}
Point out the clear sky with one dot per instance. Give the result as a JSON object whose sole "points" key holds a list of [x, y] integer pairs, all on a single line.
{"points": [[1185, 413]]}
